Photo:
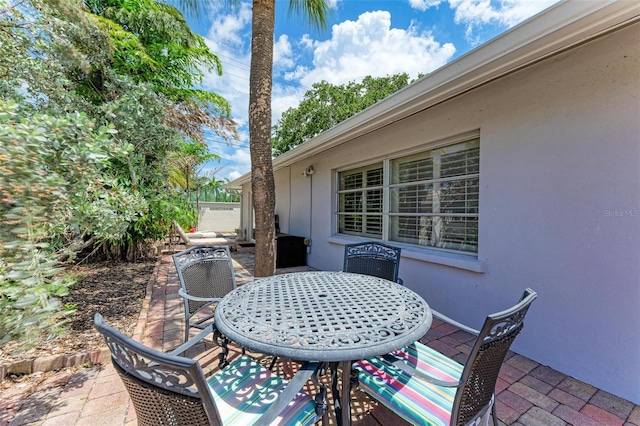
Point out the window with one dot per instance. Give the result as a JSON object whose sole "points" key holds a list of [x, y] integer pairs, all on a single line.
{"points": [[432, 199], [360, 201]]}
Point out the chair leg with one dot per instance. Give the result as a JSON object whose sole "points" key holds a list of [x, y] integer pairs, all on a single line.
{"points": [[322, 409], [494, 414], [187, 324], [273, 362], [325, 420]]}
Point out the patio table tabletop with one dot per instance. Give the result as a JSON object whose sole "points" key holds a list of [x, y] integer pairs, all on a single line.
{"points": [[336, 317]]}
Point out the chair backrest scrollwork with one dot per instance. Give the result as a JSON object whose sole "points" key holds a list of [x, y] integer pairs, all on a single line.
{"points": [[164, 389], [372, 258]]}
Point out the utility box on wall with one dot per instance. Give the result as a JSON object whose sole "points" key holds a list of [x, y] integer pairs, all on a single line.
{"points": [[290, 251]]}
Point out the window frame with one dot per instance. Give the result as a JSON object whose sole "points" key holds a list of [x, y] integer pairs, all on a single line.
{"points": [[364, 189], [387, 188]]}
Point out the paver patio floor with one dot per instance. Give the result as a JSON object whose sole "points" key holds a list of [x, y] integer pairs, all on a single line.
{"points": [[528, 393]]}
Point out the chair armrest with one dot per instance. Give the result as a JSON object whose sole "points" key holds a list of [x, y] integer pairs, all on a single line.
{"points": [[290, 391], [453, 322], [193, 341], [402, 365], [198, 299]]}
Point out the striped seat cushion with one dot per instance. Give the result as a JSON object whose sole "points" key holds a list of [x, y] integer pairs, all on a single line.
{"points": [[413, 399], [244, 390]]}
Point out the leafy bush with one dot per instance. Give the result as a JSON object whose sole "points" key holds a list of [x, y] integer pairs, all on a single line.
{"points": [[52, 180], [84, 140]]}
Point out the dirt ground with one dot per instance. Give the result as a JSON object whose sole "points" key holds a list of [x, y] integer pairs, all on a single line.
{"points": [[116, 290]]}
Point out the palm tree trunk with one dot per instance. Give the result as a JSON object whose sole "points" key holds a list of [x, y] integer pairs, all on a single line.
{"points": [[262, 181]]}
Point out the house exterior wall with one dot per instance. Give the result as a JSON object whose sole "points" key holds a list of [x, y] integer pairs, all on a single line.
{"points": [[559, 207], [246, 214], [293, 200]]}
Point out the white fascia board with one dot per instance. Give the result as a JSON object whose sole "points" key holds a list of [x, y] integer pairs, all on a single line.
{"points": [[566, 24], [236, 184]]}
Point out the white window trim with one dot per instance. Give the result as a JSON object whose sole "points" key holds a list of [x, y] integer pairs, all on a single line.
{"points": [[387, 186]]}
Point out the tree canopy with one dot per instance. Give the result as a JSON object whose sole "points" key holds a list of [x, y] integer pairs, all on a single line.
{"points": [[94, 101], [326, 105], [185, 162], [153, 43]]}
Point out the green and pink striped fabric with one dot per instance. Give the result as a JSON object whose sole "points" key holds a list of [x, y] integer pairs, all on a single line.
{"points": [[244, 390], [413, 399], [428, 361]]}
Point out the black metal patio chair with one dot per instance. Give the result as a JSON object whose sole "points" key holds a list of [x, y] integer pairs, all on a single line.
{"points": [[167, 389], [427, 388], [373, 258], [206, 275]]}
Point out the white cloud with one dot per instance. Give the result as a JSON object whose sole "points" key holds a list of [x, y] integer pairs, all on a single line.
{"points": [[355, 49], [369, 46], [282, 53], [423, 5], [230, 29], [239, 155], [477, 13], [234, 162], [307, 42], [297, 74], [229, 38], [234, 174], [284, 97], [240, 160], [233, 86]]}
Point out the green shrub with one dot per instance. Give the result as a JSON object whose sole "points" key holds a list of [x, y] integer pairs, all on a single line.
{"points": [[52, 183]]}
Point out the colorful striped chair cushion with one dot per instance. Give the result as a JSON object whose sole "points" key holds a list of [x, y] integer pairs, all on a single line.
{"points": [[413, 399], [431, 362], [244, 389]]}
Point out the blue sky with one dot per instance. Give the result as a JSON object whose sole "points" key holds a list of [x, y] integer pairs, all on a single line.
{"points": [[376, 38]]}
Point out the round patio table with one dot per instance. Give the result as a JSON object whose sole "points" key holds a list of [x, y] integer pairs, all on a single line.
{"points": [[336, 317]]}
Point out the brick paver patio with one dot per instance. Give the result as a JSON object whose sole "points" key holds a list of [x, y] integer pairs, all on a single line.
{"points": [[528, 393]]}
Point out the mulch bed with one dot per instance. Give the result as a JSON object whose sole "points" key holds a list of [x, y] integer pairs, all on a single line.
{"points": [[116, 290]]}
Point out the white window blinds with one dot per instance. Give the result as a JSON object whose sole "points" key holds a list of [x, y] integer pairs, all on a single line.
{"points": [[360, 201], [433, 198]]}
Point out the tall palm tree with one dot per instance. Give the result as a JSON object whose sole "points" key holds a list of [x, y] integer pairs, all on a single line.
{"points": [[260, 84]]}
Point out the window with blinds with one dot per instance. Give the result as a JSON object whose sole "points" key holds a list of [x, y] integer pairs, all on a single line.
{"points": [[433, 199], [360, 201]]}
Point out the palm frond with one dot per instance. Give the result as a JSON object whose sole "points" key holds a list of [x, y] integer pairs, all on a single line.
{"points": [[315, 11]]}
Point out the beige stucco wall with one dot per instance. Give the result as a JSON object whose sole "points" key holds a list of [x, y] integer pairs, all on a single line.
{"points": [[218, 217]]}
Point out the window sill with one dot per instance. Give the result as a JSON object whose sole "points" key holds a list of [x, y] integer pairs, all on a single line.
{"points": [[458, 261]]}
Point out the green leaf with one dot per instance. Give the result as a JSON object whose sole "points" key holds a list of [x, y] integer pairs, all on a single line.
{"points": [[26, 301]]}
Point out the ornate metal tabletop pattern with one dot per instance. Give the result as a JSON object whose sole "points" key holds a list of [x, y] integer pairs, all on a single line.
{"points": [[323, 316]]}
